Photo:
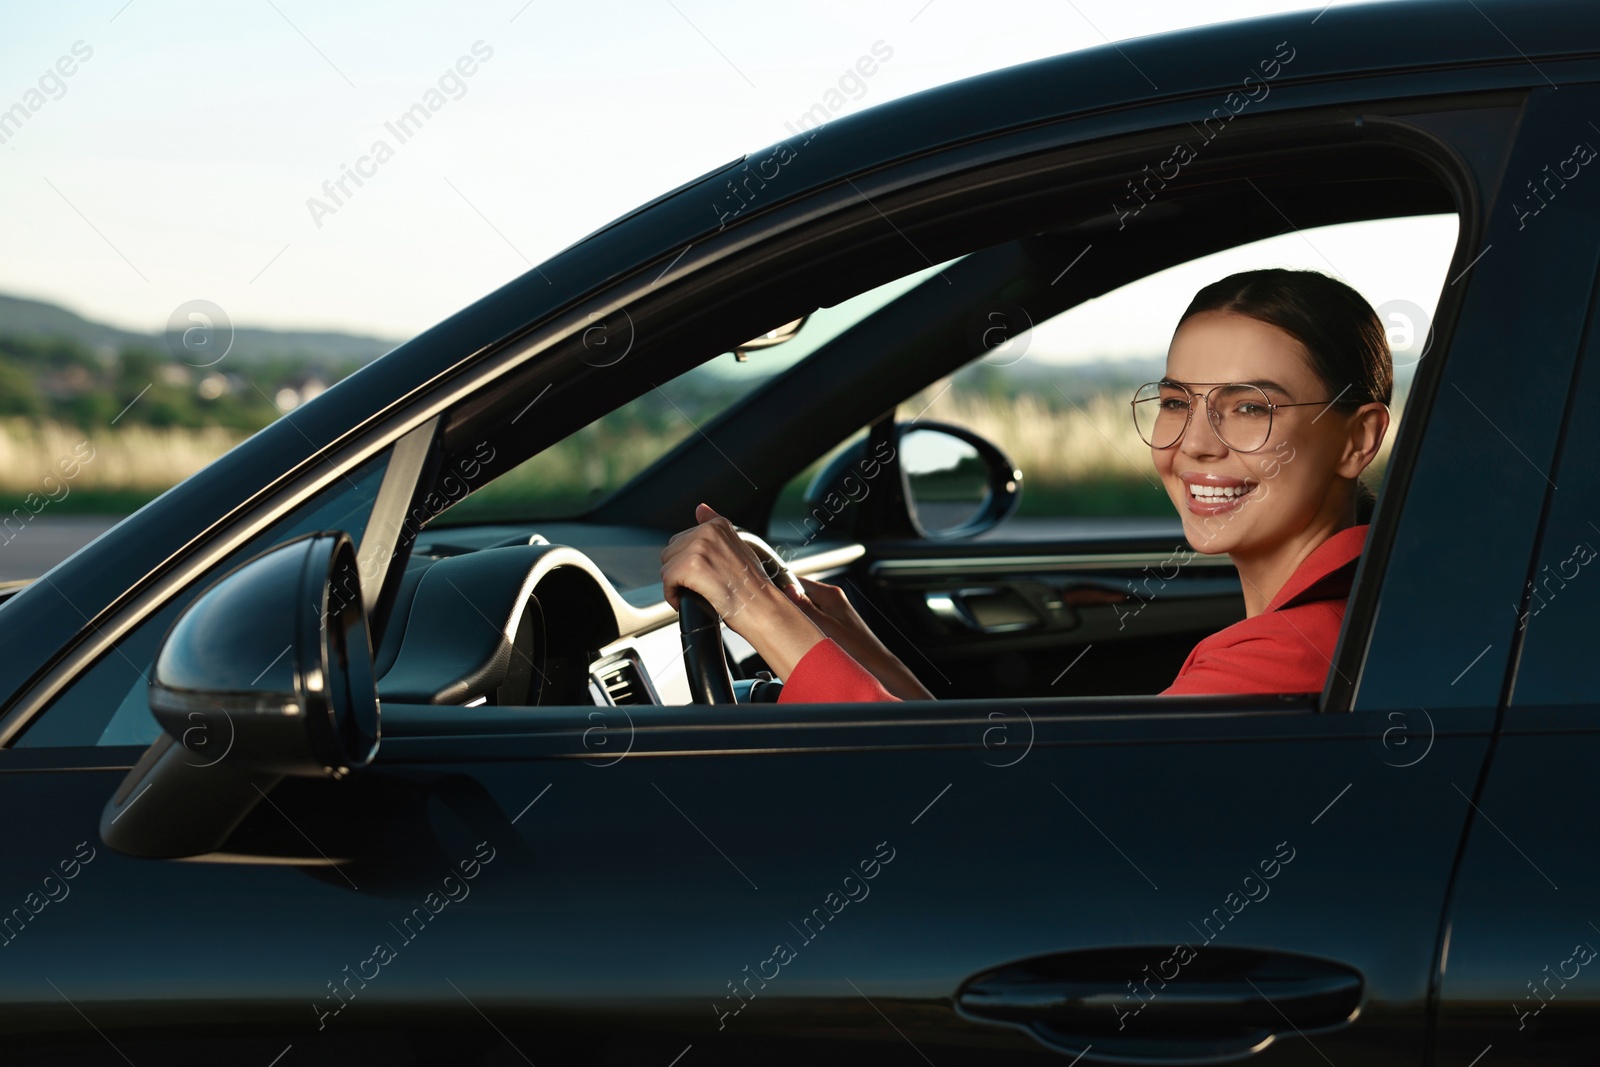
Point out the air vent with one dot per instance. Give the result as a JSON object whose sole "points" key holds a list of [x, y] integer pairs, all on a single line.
{"points": [[620, 681], [621, 684]]}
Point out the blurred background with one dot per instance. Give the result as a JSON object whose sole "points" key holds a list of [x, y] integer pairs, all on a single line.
{"points": [[214, 213]]}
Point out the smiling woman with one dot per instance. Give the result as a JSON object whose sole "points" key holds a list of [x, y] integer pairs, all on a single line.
{"points": [[1288, 358], [1303, 364]]}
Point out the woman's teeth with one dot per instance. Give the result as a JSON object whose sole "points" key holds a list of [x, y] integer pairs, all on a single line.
{"points": [[1218, 492]]}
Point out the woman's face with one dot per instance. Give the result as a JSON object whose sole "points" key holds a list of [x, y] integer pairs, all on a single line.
{"points": [[1243, 501]]}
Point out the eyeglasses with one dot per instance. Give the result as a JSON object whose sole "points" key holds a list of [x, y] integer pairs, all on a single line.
{"points": [[1241, 415]]}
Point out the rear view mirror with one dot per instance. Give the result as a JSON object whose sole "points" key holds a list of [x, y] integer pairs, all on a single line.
{"points": [[776, 336], [267, 674]]}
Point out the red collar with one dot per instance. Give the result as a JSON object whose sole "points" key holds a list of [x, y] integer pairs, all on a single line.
{"points": [[1326, 573]]}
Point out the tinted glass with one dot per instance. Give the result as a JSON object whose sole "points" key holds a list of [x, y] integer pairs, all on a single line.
{"points": [[106, 705], [567, 478]]}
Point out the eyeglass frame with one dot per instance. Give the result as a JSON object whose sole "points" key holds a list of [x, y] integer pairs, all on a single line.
{"points": [[1211, 415]]}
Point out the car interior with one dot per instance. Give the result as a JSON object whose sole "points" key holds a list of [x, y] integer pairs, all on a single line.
{"points": [[977, 610]]}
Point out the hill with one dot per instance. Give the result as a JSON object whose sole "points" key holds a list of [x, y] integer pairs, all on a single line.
{"points": [[21, 317]]}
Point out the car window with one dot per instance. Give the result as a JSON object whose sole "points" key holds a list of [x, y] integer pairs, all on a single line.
{"points": [[106, 704], [1054, 396], [569, 477]]}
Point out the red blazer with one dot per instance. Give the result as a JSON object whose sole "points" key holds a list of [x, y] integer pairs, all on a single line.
{"points": [[1286, 649], [1289, 647], [827, 674]]}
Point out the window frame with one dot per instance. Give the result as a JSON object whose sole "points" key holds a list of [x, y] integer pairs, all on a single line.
{"points": [[922, 194], [910, 205]]}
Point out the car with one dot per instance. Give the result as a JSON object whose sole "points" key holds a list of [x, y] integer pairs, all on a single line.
{"points": [[345, 682]]}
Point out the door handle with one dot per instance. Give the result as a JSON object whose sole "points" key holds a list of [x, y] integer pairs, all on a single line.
{"points": [[992, 609], [1155, 1005], [947, 606]]}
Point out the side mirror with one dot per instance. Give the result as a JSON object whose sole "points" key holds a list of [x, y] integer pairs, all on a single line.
{"points": [[945, 482], [957, 483], [267, 674]]}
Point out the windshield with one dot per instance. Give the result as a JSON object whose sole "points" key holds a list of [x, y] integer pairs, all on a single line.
{"points": [[568, 478]]}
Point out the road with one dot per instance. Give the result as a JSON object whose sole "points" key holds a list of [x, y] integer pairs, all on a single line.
{"points": [[29, 551]]}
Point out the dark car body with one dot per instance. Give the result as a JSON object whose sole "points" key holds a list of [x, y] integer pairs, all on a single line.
{"points": [[1390, 871]]}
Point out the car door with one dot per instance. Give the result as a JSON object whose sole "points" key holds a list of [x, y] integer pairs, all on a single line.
{"points": [[1178, 880]]}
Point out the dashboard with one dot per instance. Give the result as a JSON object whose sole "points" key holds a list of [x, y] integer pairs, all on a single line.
{"points": [[571, 614]]}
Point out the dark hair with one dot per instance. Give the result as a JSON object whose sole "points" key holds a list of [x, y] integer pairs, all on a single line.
{"points": [[1340, 332]]}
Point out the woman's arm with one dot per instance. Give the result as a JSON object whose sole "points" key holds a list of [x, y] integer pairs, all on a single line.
{"points": [[827, 675], [711, 560], [832, 613], [781, 626]]}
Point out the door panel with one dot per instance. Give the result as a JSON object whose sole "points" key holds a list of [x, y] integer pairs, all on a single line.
{"points": [[1010, 616], [615, 904]]}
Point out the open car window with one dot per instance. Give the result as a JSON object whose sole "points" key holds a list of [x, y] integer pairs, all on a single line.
{"points": [[1055, 395], [607, 451]]}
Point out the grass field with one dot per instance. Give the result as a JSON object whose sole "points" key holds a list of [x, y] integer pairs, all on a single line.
{"points": [[105, 471], [1078, 457]]}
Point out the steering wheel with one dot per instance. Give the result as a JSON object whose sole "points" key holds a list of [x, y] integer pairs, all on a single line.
{"points": [[700, 628]]}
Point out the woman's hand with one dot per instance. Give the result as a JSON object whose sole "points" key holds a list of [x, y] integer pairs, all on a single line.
{"points": [[712, 560], [832, 613], [828, 607]]}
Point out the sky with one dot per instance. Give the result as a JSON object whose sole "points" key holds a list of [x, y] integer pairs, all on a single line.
{"points": [[1399, 265], [185, 154]]}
